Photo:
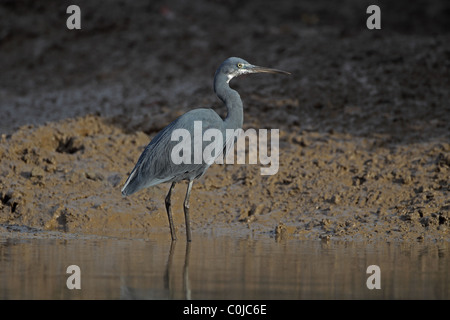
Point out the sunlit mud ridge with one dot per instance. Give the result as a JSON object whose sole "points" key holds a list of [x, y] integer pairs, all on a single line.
{"points": [[66, 176]]}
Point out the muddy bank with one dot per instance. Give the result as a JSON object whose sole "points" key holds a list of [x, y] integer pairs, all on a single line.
{"points": [[66, 176], [364, 118]]}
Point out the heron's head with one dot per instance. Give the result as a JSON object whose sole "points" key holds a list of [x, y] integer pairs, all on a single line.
{"points": [[234, 67]]}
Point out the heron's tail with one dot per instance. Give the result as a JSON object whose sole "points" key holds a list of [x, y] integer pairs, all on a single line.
{"points": [[130, 185]]}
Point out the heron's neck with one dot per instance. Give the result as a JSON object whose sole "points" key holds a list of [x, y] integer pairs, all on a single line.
{"points": [[233, 102]]}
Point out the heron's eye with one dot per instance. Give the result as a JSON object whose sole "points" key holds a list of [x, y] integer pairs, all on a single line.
{"points": [[240, 65]]}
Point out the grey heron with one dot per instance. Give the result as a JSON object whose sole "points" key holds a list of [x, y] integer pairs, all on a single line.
{"points": [[155, 164]]}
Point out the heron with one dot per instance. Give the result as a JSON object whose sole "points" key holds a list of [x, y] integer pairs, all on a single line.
{"points": [[155, 165]]}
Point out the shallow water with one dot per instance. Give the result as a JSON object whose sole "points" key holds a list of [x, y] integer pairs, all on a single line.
{"points": [[221, 268]]}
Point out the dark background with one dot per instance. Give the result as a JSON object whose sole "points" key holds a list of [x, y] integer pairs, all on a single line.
{"points": [[142, 63]]}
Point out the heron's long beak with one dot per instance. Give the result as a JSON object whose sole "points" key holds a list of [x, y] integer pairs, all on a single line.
{"points": [[257, 69]]}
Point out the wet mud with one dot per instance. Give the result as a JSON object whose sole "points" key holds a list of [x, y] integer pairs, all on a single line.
{"points": [[364, 144]]}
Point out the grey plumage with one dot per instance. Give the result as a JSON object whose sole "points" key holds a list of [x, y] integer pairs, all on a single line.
{"points": [[155, 165]]}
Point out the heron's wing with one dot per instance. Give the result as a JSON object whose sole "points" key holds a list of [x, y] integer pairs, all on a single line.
{"points": [[157, 163]]}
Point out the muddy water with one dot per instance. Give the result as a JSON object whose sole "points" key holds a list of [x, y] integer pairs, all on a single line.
{"points": [[221, 268]]}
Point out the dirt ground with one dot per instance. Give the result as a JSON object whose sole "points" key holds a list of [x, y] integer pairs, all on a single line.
{"points": [[364, 119]]}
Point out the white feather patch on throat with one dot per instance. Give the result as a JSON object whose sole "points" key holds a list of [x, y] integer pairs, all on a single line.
{"points": [[236, 73]]}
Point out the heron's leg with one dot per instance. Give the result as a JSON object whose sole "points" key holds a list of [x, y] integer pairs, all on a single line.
{"points": [[169, 212], [186, 211]]}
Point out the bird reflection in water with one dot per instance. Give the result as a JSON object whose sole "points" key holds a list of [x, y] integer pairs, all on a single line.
{"points": [[171, 288]]}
